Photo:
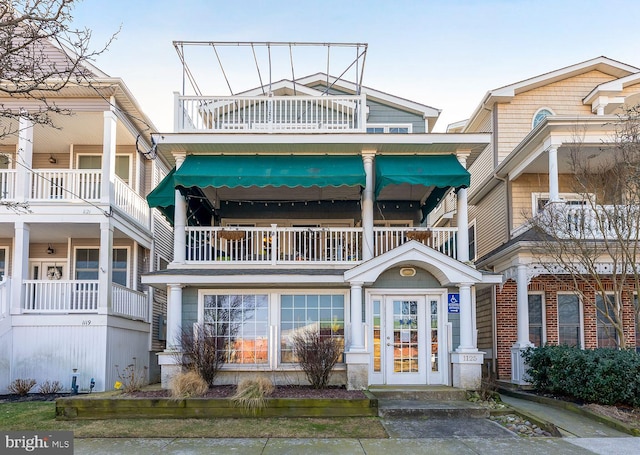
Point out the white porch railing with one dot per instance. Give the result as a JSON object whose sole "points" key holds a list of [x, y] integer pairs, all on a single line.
{"points": [[283, 114], [129, 303], [61, 296], [130, 202], [295, 245], [65, 184], [7, 183], [5, 297], [583, 222], [441, 239]]}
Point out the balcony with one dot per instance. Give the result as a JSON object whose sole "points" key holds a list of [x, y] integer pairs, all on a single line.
{"points": [[579, 222], [76, 185], [81, 296], [295, 246], [270, 114]]}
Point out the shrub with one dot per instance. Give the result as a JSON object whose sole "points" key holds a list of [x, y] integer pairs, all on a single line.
{"points": [[250, 394], [50, 387], [317, 355], [188, 384], [602, 376], [202, 351], [132, 377], [21, 386]]}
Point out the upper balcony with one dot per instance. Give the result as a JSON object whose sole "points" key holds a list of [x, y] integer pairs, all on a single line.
{"points": [[63, 186], [271, 114]]}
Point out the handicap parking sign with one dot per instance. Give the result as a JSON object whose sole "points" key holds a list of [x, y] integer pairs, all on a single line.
{"points": [[453, 302]]}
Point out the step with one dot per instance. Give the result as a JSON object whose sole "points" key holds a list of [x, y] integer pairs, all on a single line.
{"points": [[433, 409], [422, 393]]}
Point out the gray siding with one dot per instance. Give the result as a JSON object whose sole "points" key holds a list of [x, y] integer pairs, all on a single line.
{"points": [[189, 308], [392, 279]]}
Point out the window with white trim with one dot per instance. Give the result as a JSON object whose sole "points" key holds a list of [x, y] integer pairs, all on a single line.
{"points": [[540, 200], [3, 262], [569, 320], [88, 260], [607, 335], [383, 128], [241, 324], [123, 164], [472, 241], [320, 312], [540, 115], [536, 319]]}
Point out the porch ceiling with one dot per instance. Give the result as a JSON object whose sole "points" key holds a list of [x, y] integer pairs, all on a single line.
{"points": [[44, 233]]}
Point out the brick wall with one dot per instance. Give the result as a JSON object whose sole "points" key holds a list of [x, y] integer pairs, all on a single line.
{"points": [[506, 314]]}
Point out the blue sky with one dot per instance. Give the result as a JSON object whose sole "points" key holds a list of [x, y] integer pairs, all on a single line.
{"points": [[445, 54]]}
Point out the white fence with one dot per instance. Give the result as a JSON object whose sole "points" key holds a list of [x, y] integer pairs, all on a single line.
{"points": [[285, 114], [281, 245], [129, 303]]}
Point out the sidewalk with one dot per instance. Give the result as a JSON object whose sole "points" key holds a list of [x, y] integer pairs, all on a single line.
{"points": [[438, 446]]}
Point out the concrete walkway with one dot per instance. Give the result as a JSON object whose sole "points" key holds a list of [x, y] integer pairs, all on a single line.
{"points": [[439, 446]]}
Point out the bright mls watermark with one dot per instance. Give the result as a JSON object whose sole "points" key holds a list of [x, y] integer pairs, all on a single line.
{"points": [[36, 442]]}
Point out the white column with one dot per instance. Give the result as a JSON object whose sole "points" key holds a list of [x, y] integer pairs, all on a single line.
{"points": [[357, 336], [108, 155], [174, 317], [105, 265], [554, 195], [367, 206], [522, 297], [24, 160], [179, 222], [463, 226], [466, 319], [20, 270]]}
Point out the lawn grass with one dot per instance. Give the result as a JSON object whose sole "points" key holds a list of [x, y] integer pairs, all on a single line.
{"points": [[41, 416]]}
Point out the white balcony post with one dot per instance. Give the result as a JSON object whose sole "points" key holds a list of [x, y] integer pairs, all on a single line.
{"points": [[179, 222], [554, 195], [466, 359], [466, 319], [24, 159], [108, 156], [522, 298], [20, 265], [463, 226], [105, 265], [367, 206]]}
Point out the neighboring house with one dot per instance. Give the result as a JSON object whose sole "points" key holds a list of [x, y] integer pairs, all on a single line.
{"points": [[535, 124], [302, 205], [76, 237]]}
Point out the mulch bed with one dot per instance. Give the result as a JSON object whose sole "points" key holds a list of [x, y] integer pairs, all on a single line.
{"points": [[13, 398]]}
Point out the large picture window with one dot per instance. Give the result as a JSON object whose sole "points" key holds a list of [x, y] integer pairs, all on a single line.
{"points": [[241, 322], [569, 320], [324, 313], [87, 265]]}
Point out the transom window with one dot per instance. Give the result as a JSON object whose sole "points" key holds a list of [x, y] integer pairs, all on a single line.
{"points": [[569, 320], [540, 116]]}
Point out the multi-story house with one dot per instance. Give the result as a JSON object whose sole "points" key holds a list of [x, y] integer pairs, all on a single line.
{"points": [[526, 171], [302, 204], [76, 236]]}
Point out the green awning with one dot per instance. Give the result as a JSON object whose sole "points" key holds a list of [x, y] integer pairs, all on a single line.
{"points": [[163, 196], [261, 171], [246, 171], [441, 171]]}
